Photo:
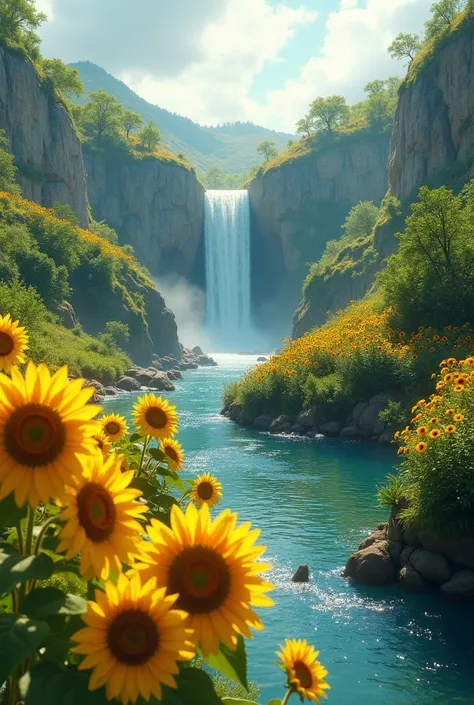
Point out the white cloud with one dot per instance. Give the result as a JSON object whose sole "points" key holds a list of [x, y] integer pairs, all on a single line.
{"points": [[354, 52], [234, 49], [348, 4]]}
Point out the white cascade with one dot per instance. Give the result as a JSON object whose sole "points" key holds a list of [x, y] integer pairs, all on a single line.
{"points": [[227, 236]]}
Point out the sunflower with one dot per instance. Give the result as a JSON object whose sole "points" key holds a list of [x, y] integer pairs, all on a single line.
{"points": [[450, 429], [461, 380], [421, 447], [124, 466], [206, 490], [213, 567], [13, 343], [45, 431], [435, 433], [133, 640], [458, 417], [434, 420], [154, 416], [305, 674], [174, 453], [101, 517], [422, 431], [458, 387], [114, 426], [450, 412], [102, 441]]}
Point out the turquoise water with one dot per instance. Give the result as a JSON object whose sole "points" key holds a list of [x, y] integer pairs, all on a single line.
{"points": [[314, 501]]}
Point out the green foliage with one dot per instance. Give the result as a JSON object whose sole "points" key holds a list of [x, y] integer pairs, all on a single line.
{"points": [[65, 212], [268, 150], [131, 121], [381, 102], [405, 46], [327, 113], [7, 168], [443, 14], [217, 178], [19, 21], [394, 415], [62, 77], [149, 136], [105, 231], [431, 278], [102, 114], [119, 332], [393, 492], [371, 371], [31, 171]]}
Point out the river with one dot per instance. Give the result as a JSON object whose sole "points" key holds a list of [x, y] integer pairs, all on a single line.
{"points": [[314, 501]]}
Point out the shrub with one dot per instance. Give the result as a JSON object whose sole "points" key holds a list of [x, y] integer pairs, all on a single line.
{"points": [[395, 415], [372, 370], [392, 494]]}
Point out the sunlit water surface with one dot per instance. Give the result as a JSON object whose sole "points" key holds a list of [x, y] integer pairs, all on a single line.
{"points": [[314, 501]]}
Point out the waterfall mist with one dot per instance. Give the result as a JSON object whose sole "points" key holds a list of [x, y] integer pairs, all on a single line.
{"points": [[188, 304]]}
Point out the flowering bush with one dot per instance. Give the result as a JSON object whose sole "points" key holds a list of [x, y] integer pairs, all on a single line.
{"points": [[88, 510], [438, 465]]}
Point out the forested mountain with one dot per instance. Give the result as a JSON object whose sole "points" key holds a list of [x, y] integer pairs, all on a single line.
{"points": [[232, 147]]}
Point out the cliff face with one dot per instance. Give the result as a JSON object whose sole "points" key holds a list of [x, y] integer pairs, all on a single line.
{"points": [[434, 122], [155, 206], [42, 138], [297, 207]]}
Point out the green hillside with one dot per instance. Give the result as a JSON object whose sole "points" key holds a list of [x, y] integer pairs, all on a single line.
{"points": [[231, 147]]}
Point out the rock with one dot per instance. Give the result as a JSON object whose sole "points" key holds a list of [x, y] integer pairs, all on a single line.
{"points": [[369, 419], [284, 428], [99, 393], [352, 432], [170, 363], [395, 529], [383, 526], [161, 382], [298, 429], [460, 586], [146, 376], [156, 362], [174, 374], [410, 536], [128, 384], [187, 366], [262, 359], [459, 551], [395, 548], [206, 361], [386, 436], [281, 421], [382, 399], [332, 428], [411, 581], [433, 567], [308, 417], [263, 422], [405, 555], [246, 417], [359, 410], [371, 565], [111, 391], [301, 575], [67, 314], [374, 537], [315, 435], [197, 350], [234, 411]]}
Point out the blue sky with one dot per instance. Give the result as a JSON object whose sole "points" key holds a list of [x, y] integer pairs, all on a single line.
{"points": [[226, 60]]}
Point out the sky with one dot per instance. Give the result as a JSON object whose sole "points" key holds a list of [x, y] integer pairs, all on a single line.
{"points": [[220, 61]]}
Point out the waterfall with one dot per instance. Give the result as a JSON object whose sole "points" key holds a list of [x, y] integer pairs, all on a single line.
{"points": [[227, 235]]}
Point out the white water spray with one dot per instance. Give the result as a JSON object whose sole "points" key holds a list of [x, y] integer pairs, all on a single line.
{"points": [[227, 231]]}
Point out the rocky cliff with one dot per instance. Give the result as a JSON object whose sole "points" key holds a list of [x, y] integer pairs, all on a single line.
{"points": [[42, 138], [299, 205], [156, 206]]}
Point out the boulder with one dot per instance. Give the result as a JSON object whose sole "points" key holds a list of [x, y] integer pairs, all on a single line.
{"points": [[145, 376], [128, 384], [281, 421], [395, 529], [315, 434], [459, 551], [169, 363], [410, 536], [371, 565], [352, 432], [185, 366], [433, 567], [359, 410], [111, 391], [246, 417], [369, 419], [156, 362], [175, 374], [262, 359], [301, 575], [263, 422], [197, 350], [332, 428], [395, 548], [307, 418], [386, 436], [405, 555], [411, 581], [234, 411], [298, 429], [161, 382], [460, 586], [206, 361], [66, 314], [382, 399], [374, 537]]}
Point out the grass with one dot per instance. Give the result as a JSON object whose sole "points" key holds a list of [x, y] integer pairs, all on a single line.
{"points": [[121, 149]]}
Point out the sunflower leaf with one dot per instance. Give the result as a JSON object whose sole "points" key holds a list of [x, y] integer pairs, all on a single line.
{"points": [[239, 701], [145, 487], [135, 437], [20, 637], [232, 664], [165, 501], [10, 514], [50, 683], [194, 686], [156, 454], [16, 569], [275, 701], [48, 601]]}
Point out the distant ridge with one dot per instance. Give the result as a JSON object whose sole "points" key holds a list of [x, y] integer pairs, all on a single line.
{"points": [[231, 146]]}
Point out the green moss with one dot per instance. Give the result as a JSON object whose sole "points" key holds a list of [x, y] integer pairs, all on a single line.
{"points": [[116, 149], [30, 171]]}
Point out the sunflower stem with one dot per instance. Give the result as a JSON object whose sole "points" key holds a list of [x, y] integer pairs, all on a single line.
{"points": [[39, 541], [30, 525], [145, 443], [21, 543], [287, 696]]}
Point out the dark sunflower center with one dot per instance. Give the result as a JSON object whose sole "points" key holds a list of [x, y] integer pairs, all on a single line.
{"points": [[133, 637], [6, 344], [112, 428], [202, 579], [156, 417], [96, 512], [205, 490], [171, 453], [303, 674], [99, 442], [34, 435]]}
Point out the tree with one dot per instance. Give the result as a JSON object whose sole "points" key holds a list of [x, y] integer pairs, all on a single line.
{"points": [[18, 21], [268, 150], [102, 113], [328, 113], [361, 220], [150, 136], [214, 177], [7, 168], [443, 13], [131, 121], [381, 101], [64, 79], [431, 278], [305, 126], [405, 46]]}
